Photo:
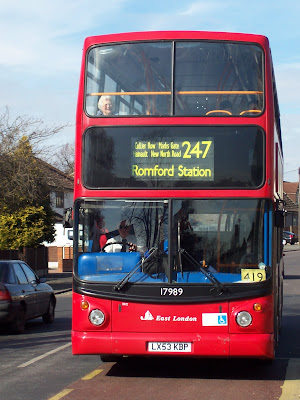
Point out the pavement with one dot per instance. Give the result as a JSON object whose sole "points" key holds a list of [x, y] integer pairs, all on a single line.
{"points": [[61, 282], [291, 247]]}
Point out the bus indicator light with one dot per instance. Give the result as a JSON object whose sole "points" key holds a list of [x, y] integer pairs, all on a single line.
{"points": [[257, 307], [84, 305]]}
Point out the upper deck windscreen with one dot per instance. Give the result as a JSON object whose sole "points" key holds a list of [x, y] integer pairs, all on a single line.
{"points": [[200, 78]]}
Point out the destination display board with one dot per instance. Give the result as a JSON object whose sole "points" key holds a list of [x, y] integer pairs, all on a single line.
{"points": [[171, 158], [188, 157]]}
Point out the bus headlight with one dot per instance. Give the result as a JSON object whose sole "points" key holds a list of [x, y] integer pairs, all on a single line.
{"points": [[97, 317], [244, 319]]}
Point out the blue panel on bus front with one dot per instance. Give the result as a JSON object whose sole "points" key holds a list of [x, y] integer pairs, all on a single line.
{"points": [[107, 263]]}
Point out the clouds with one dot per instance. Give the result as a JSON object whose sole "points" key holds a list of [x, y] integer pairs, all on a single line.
{"points": [[178, 15], [47, 36], [41, 48], [288, 82], [29, 36], [199, 8], [291, 146], [288, 87]]}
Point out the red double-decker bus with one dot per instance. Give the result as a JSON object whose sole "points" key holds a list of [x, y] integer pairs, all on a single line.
{"points": [[178, 197]]}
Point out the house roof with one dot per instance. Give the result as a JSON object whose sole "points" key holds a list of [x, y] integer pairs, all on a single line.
{"points": [[289, 204], [291, 189], [290, 195], [56, 178]]}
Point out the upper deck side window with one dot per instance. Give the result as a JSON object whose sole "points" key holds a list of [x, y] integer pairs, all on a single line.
{"points": [[205, 79]]}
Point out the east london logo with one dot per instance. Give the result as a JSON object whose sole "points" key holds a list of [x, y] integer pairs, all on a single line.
{"points": [[149, 317]]}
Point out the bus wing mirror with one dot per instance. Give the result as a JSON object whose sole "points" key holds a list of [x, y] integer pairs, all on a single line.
{"points": [[279, 218], [68, 218]]}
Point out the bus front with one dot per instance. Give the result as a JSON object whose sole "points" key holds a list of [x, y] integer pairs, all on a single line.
{"points": [[174, 212]]}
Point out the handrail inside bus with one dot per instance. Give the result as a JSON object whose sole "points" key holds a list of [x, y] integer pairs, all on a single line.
{"points": [[192, 92]]}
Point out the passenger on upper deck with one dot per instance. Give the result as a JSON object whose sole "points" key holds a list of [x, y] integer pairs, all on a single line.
{"points": [[224, 109], [252, 107], [106, 106]]}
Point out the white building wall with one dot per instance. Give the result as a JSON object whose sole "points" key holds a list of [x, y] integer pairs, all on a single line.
{"points": [[68, 202], [63, 236]]}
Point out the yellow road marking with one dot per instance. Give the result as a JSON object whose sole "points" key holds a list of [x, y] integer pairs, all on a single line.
{"points": [[61, 394], [291, 386], [92, 374]]}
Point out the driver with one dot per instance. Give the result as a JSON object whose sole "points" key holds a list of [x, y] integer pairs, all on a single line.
{"points": [[124, 242]]}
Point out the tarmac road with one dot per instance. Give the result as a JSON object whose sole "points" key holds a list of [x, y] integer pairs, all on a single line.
{"points": [[61, 282]]}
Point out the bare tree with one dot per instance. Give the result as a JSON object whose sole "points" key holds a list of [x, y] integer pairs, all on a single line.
{"points": [[22, 140], [64, 158], [25, 188], [35, 130]]}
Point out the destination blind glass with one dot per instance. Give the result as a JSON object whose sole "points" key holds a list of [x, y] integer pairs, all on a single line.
{"points": [[173, 156], [173, 159]]}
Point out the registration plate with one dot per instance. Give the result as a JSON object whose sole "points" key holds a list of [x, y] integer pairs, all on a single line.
{"points": [[170, 347]]}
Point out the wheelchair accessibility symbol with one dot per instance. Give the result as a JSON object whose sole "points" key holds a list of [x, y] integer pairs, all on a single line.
{"points": [[222, 319], [214, 319]]}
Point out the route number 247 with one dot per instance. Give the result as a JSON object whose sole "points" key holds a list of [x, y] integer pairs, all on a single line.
{"points": [[195, 150]]}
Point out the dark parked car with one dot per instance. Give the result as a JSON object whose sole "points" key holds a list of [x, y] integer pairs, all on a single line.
{"points": [[289, 237], [23, 296]]}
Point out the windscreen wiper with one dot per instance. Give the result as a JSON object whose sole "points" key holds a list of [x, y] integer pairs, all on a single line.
{"points": [[126, 278], [218, 286]]}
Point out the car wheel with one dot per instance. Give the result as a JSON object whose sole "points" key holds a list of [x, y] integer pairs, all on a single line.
{"points": [[48, 317], [18, 326]]}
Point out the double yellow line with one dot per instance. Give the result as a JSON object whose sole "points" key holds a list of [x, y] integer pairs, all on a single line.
{"points": [[65, 392]]}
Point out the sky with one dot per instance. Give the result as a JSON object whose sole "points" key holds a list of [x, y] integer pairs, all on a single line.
{"points": [[41, 49]]}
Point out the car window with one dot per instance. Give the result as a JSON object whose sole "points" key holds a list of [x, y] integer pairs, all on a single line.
{"points": [[20, 274], [6, 273], [29, 273], [10, 276], [3, 271]]}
